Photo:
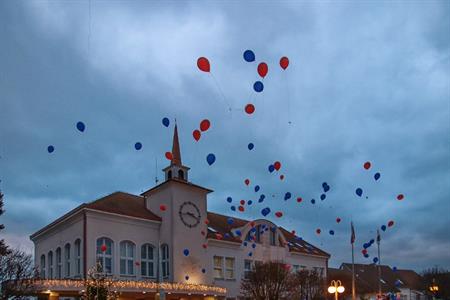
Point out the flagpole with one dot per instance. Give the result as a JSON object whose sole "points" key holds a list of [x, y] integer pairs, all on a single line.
{"points": [[352, 241], [379, 263]]}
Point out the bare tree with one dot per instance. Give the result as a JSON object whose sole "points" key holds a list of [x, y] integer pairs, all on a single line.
{"points": [[99, 286], [438, 277], [17, 275], [3, 248], [268, 281], [309, 285]]}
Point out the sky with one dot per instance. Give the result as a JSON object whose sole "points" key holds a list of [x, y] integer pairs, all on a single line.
{"points": [[367, 81]]}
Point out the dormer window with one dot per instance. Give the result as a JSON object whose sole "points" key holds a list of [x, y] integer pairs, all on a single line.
{"points": [[180, 174], [169, 174]]}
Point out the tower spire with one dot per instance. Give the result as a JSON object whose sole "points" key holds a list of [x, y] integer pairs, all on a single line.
{"points": [[176, 153]]}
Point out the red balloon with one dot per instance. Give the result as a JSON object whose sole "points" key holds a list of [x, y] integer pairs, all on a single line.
{"points": [[196, 134], [252, 223], [284, 62], [390, 223], [137, 263], [367, 165], [247, 181], [281, 177], [202, 232], [364, 251], [277, 165], [293, 232], [263, 69], [299, 199], [219, 236], [169, 155], [206, 221], [278, 214], [103, 248], [162, 207], [241, 208], [204, 125], [249, 108], [338, 220], [203, 64], [204, 246], [400, 197], [318, 231], [242, 202]]}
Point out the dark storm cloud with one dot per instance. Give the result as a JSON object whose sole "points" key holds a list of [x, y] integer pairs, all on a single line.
{"points": [[367, 81]]}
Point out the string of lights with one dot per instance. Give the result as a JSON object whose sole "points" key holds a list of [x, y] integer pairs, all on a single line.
{"points": [[130, 286]]}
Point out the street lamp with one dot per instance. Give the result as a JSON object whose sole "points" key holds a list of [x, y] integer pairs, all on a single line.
{"points": [[434, 288], [336, 287]]}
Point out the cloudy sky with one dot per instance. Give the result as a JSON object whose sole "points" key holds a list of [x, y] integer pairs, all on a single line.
{"points": [[366, 82]]}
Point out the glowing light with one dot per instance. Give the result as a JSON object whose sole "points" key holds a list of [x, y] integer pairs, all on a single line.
{"points": [[340, 289], [331, 289]]}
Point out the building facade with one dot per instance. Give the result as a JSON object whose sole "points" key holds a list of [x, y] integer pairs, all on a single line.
{"points": [[164, 242]]}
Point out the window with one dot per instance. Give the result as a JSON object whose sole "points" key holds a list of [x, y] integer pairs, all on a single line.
{"points": [[42, 275], [147, 260], [223, 267], [180, 174], [50, 265], [127, 250], [218, 267], [229, 267], [319, 271], [169, 174], [273, 236], [58, 263], [295, 268], [258, 234], [67, 259], [78, 257], [249, 266], [165, 260], [105, 254]]}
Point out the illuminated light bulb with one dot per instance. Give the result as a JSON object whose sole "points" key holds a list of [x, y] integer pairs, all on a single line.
{"points": [[331, 289], [340, 289]]}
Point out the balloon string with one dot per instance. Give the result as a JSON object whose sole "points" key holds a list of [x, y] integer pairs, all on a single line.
{"points": [[221, 92]]}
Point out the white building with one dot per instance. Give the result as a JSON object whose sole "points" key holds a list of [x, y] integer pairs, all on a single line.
{"points": [[124, 232]]}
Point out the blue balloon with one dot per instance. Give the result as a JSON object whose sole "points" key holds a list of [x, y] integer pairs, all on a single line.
{"points": [[322, 197], [227, 235], [50, 149], [238, 232], [186, 252], [375, 260], [245, 244], [359, 192], [233, 208], [249, 56], [166, 122], [394, 269], [256, 188], [331, 232], [366, 255], [313, 201], [325, 187], [253, 245], [230, 221], [203, 270], [383, 227], [80, 126], [211, 158], [250, 146], [376, 176], [365, 246], [372, 241], [138, 146], [287, 196], [229, 199], [258, 86], [261, 198], [271, 168], [265, 211], [249, 202], [250, 254]]}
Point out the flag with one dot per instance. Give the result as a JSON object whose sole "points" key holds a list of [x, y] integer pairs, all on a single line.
{"points": [[378, 236], [353, 237]]}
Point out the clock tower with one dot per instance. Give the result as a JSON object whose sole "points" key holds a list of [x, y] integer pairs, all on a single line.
{"points": [[183, 209]]}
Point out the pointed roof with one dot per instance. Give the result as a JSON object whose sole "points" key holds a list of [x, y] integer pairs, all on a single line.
{"points": [[176, 153]]}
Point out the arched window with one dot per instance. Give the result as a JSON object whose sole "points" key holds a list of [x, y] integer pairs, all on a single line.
{"points": [[169, 174], [148, 261], [77, 255], [180, 174], [165, 260], [58, 263], [50, 265], [105, 254], [67, 260], [42, 275], [127, 250]]}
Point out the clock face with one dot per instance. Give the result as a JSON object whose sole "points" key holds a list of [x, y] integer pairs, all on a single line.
{"points": [[189, 214]]}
